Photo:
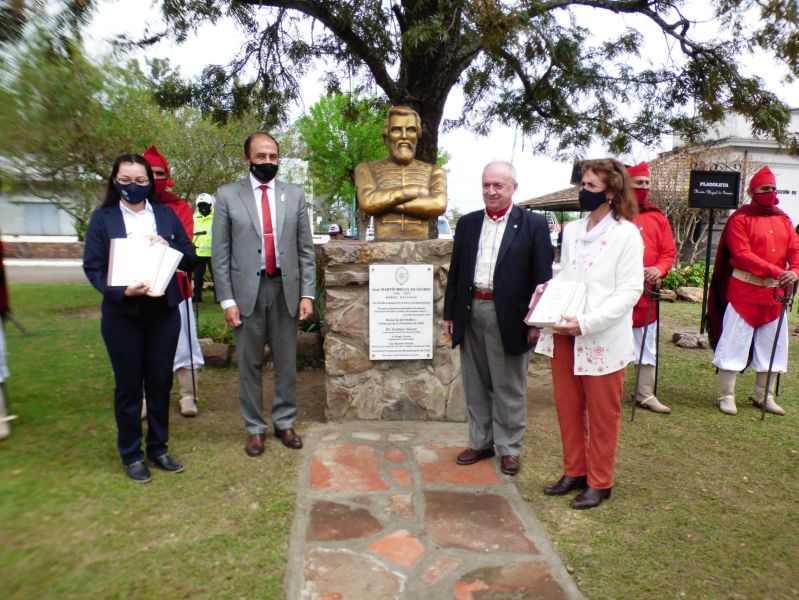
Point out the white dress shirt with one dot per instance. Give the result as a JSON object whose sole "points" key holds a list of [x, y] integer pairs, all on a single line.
{"points": [[141, 223], [490, 240]]}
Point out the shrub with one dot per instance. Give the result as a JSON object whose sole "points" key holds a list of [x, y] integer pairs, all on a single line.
{"points": [[692, 275]]}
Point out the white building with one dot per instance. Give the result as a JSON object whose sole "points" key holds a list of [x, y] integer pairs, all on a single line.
{"points": [[734, 136]]}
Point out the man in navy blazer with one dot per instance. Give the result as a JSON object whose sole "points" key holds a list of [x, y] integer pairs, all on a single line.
{"points": [[499, 256]]}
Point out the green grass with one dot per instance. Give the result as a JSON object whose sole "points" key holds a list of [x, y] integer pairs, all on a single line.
{"points": [[73, 526], [704, 504]]}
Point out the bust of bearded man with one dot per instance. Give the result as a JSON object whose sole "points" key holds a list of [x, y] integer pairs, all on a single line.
{"points": [[405, 195]]}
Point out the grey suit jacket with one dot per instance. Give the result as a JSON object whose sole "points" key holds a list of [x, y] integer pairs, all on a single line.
{"points": [[236, 245]]}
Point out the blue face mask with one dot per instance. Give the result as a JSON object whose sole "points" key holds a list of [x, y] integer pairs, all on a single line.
{"points": [[590, 201], [132, 193]]}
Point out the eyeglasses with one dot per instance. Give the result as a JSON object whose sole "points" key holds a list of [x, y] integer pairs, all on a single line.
{"points": [[137, 181]]}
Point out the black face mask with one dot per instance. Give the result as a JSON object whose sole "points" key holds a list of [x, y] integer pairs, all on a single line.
{"points": [[264, 172], [590, 201]]}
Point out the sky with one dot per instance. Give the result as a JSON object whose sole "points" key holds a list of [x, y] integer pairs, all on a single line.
{"points": [[537, 175]]}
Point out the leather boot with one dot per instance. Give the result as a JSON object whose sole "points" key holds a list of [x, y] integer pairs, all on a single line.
{"points": [[645, 396], [726, 399], [760, 391], [5, 428], [188, 401]]}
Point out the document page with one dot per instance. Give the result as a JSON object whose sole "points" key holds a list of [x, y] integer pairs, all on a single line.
{"points": [[134, 260], [559, 298]]}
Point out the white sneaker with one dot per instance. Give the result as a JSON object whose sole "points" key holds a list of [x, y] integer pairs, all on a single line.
{"points": [[653, 404], [188, 407], [727, 405], [771, 406]]}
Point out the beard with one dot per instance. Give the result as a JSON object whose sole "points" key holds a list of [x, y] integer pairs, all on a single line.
{"points": [[403, 154]]}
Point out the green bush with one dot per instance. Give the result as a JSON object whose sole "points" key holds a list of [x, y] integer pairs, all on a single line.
{"points": [[219, 332], [692, 275]]}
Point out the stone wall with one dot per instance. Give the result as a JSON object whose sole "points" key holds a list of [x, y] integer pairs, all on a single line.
{"points": [[358, 388]]}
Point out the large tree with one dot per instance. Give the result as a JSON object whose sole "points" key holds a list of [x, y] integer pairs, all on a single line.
{"points": [[528, 63]]}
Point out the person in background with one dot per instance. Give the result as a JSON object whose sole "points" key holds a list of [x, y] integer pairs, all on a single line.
{"points": [[659, 254], [499, 256], [140, 329], [188, 358], [334, 231], [589, 352], [265, 276], [203, 221], [758, 253], [5, 428]]}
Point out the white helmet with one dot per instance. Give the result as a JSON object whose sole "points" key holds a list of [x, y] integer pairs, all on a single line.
{"points": [[207, 198]]}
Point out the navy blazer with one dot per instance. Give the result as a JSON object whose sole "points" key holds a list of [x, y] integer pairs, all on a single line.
{"points": [[106, 224], [524, 261]]}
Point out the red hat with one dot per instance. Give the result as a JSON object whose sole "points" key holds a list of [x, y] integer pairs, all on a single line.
{"points": [[763, 177], [154, 159], [639, 170]]}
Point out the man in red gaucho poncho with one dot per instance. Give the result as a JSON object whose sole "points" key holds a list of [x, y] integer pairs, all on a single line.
{"points": [[659, 254], [186, 358], [758, 256]]}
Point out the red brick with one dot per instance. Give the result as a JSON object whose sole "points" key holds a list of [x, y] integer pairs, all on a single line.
{"points": [[438, 466], [394, 454], [530, 579], [400, 547], [346, 467], [401, 476], [331, 521], [476, 522]]}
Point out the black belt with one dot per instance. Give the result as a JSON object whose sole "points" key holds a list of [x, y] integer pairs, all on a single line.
{"points": [[277, 273]]}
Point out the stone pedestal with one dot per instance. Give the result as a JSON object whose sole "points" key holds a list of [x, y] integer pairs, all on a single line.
{"points": [[359, 388]]}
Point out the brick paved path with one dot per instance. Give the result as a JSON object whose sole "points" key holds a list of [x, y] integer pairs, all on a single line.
{"points": [[384, 512]]}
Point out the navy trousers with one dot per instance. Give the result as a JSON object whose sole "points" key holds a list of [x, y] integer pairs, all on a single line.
{"points": [[142, 349]]}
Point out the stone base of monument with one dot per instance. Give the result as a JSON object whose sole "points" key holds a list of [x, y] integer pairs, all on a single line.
{"points": [[360, 388]]}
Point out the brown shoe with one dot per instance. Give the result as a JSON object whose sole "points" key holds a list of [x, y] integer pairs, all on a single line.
{"points": [[591, 498], [255, 445], [289, 438], [509, 464], [469, 456]]}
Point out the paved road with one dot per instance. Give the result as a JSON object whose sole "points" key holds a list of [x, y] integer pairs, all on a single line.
{"points": [[44, 271]]}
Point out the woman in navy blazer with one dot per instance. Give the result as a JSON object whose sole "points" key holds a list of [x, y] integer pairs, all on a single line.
{"points": [[140, 329]]}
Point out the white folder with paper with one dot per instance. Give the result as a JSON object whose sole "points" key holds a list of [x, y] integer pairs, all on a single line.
{"points": [[560, 298], [135, 260]]}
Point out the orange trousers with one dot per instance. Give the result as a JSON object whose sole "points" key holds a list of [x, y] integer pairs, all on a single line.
{"points": [[589, 414]]}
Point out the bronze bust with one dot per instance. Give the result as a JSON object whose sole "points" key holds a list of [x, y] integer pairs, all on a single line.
{"points": [[402, 193]]}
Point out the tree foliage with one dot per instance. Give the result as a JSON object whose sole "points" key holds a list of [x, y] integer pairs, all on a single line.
{"points": [[528, 63], [64, 119], [339, 132]]}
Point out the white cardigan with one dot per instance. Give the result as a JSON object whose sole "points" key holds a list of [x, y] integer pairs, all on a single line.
{"points": [[614, 277]]}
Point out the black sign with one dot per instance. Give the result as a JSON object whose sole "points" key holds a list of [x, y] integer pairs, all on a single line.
{"points": [[714, 189]]}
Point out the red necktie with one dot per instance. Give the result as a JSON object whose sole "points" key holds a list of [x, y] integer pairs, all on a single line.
{"points": [[269, 242]]}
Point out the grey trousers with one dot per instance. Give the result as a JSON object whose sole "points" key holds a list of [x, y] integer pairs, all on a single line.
{"points": [[270, 321], [495, 384]]}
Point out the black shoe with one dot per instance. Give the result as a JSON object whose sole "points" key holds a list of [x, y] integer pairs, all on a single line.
{"points": [[138, 472], [167, 463], [565, 485], [591, 498]]}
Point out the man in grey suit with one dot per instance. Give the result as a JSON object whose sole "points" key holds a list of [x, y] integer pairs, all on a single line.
{"points": [[265, 277]]}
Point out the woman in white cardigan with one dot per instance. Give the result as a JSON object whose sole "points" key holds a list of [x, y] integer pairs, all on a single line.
{"points": [[589, 352]]}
